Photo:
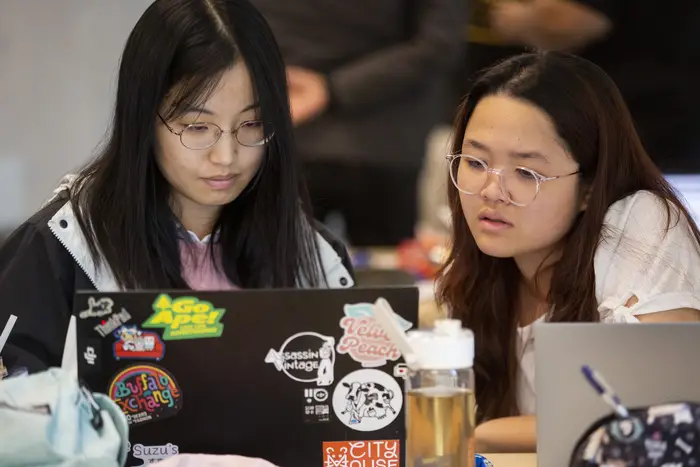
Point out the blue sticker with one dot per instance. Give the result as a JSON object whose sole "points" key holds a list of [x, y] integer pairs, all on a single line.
{"points": [[135, 344]]}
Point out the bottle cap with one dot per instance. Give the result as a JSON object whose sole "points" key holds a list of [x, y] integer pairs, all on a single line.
{"points": [[446, 347]]}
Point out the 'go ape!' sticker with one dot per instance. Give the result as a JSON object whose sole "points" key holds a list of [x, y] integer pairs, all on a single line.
{"points": [[146, 393], [185, 318]]}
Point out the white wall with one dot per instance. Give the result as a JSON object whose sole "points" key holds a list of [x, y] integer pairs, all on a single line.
{"points": [[58, 64]]}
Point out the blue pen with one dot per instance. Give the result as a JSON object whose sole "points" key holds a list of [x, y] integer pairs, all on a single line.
{"points": [[603, 389], [481, 461]]}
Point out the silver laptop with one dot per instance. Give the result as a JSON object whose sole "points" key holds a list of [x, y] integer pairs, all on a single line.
{"points": [[645, 364]]}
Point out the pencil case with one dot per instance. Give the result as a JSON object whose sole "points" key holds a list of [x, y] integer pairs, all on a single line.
{"points": [[658, 435]]}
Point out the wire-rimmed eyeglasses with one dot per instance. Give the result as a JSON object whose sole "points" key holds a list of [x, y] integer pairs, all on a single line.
{"points": [[198, 136], [520, 185]]}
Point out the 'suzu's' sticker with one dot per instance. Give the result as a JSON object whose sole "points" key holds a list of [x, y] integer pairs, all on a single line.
{"points": [[146, 393], [153, 454]]}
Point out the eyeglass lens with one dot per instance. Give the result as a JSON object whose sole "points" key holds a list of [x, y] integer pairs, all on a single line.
{"points": [[470, 176], [204, 135]]}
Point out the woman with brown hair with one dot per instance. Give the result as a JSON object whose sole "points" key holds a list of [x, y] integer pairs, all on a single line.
{"points": [[559, 215]]}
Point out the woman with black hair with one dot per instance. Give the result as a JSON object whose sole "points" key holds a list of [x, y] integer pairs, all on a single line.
{"points": [[197, 187]]}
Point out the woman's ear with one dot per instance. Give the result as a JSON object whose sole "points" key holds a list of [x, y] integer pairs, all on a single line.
{"points": [[585, 198]]}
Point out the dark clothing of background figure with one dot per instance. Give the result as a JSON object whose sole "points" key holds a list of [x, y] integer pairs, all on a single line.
{"points": [[385, 61], [378, 203], [653, 55], [483, 49]]}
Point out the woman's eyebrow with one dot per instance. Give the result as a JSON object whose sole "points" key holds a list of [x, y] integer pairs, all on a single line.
{"points": [[524, 155]]}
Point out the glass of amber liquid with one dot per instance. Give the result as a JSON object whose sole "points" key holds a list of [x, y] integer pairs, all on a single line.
{"points": [[440, 412]]}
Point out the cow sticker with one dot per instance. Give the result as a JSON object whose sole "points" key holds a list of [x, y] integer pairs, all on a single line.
{"points": [[134, 344], [306, 357], [364, 340], [367, 400]]}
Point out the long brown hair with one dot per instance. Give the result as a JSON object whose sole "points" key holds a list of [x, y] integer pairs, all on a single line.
{"points": [[590, 115]]}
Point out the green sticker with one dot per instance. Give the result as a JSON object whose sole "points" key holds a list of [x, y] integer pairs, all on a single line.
{"points": [[185, 318]]}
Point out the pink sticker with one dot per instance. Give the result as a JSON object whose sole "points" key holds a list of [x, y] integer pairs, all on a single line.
{"points": [[364, 340]]}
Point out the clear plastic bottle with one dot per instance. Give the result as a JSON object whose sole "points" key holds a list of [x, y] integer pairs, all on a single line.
{"points": [[440, 412]]}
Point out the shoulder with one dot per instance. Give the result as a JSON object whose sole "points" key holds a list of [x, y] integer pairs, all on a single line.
{"points": [[642, 209], [33, 250], [648, 250], [644, 225], [35, 233], [335, 259]]}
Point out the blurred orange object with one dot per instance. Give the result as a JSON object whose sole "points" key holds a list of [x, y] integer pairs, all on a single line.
{"points": [[422, 256]]}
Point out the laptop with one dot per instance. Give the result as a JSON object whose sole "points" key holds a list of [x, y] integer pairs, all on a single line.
{"points": [[296, 377], [645, 364]]}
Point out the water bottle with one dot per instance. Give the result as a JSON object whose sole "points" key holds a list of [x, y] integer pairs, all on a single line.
{"points": [[440, 413]]}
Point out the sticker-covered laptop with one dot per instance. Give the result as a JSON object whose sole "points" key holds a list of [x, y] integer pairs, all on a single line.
{"points": [[297, 377]]}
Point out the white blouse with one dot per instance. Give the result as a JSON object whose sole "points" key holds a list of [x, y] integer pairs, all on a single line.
{"points": [[636, 258]]}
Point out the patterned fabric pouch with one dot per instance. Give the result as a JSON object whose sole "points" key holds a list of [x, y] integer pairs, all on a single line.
{"points": [[666, 435]]}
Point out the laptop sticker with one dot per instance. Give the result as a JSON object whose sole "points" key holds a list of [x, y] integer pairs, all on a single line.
{"points": [[109, 325], [153, 454], [185, 318], [97, 308], [90, 355], [306, 357], [367, 400], [133, 343], [364, 340], [349, 453], [317, 407], [145, 393], [401, 371]]}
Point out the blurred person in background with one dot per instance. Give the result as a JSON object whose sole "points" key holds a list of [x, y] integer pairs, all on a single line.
{"points": [[364, 80], [650, 49]]}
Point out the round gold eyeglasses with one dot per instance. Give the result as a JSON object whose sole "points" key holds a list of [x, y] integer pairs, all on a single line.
{"points": [[199, 136]]}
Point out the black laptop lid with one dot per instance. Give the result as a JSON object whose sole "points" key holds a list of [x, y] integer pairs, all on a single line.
{"points": [[296, 377]]}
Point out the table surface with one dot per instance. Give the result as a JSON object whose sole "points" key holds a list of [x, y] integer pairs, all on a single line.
{"points": [[512, 460]]}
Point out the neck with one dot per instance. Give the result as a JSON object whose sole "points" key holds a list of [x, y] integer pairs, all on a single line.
{"points": [[536, 277], [194, 217], [536, 267]]}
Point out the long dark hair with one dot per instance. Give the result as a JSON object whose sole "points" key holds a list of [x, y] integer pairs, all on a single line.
{"points": [[121, 198], [589, 114]]}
